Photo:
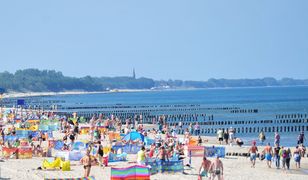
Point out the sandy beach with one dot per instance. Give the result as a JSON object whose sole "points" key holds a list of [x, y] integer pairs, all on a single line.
{"points": [[235, 168]]}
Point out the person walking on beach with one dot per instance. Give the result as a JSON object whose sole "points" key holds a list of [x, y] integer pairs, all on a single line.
{"points": [[226, 137], [300, 138], [231, 135], [277, 138], [216, 168], [86, 161], [253, 153], [297, 157], [262, 137], [268, 151], [288, 158], [220, 135], [277, 156], [283, 156], [204, 168], [197, 129]]}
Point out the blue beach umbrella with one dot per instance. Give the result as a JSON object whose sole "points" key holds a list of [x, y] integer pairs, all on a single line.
{"points": [[133, 136]]}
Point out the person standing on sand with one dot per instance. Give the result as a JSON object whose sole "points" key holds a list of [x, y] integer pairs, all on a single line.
{"points": [[268, 151], [220, 135], [231, 135], [216, 168], [300, 138], [297, 157], [277, 138], [180, 127], [190, 128], [141, 157], [86, 162], [288, 158], [204, 168], [253, 153], [283, 156], [226, 137], [199, 141], [277, 156]]}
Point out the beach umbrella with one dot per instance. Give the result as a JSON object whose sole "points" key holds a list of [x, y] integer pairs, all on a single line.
{"points": [[133, 136]]}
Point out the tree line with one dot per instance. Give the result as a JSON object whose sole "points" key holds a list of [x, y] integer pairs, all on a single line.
{"points": [[34, 80]]}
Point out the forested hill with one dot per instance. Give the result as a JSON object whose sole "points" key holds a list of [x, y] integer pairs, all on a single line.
{"points": [[34, 80]]}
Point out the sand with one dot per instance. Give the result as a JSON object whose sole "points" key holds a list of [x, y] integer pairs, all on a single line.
{"points": [[236, 168]]}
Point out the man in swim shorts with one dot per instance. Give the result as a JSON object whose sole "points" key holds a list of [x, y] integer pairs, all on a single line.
{"points": [[268, 155], [253, 153], [204, 168], [216, 168]]}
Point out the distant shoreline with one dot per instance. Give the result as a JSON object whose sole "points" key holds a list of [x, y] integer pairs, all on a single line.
{"points": [[37, 94]]}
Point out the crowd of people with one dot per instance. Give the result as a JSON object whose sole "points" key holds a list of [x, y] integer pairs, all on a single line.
{"points": [[167, 145]]}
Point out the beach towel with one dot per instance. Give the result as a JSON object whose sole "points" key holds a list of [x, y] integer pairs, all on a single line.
{"points": [[130, 173]]}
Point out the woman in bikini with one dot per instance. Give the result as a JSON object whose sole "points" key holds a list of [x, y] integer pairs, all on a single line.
{"points": [[86, 161]]}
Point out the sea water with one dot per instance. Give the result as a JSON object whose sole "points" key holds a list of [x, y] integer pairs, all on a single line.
{"points": [[268, 100]]}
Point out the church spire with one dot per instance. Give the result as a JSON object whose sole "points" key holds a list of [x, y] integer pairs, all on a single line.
{"points": [[134, 73]]}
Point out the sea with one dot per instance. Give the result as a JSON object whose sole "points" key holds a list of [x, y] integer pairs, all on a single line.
{"points": [[270, 101]]}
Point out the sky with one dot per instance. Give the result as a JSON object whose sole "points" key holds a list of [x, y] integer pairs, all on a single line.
{"points": [[161, 39]]}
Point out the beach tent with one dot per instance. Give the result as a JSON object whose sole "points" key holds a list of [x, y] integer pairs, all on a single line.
{"points": [[133, 136]]}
